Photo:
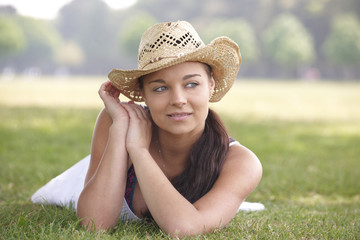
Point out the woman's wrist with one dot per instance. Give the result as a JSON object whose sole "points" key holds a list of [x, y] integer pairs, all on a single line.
{"points": [[118, 129], [138, 153], [120, 119]]}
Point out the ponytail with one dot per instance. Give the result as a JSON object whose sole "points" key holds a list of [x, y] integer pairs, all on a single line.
{"points": [[205, 160]]}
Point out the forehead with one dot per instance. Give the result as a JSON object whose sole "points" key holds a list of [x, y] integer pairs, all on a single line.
{"points": [[179, 70]]}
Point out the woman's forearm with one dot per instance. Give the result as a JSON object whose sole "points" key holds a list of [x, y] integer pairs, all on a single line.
{"points": [[101, 200], [171, 211]]}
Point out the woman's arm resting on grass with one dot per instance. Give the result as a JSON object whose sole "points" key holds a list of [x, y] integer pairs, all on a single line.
{"points": [[175, 215], [172, 212], [100, 202]]}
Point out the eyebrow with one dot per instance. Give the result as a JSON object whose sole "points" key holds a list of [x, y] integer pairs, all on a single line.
{"points": [[191, 76], [188, 76], [156, 81]]}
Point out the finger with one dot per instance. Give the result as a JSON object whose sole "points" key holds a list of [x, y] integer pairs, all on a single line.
{"points": [[129, 109], [134, 110], [103, 86], [115, 93], [102, 90], [138, 108], [145, 112], [112, 90], [142, 109], [107, 89]]}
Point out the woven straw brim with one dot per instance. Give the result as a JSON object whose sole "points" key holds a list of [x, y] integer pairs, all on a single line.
{"points": [[222, 54]]}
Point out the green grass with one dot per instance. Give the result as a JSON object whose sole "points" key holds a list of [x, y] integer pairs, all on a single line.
{"points": [[307, 136]]}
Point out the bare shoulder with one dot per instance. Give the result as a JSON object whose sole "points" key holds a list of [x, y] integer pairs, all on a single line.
{"points": [[99, 141], [239, 176], [101, 131], [240, 156], [103, 119], [243, 169]]}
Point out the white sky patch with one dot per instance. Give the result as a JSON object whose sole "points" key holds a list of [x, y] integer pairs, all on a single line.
{"points": [[48, 9]]}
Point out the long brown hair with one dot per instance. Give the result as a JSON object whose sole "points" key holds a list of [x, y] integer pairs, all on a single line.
{"points": [[206, 158], [205, 161]]}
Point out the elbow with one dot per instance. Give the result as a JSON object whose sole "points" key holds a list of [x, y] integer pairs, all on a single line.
{"points": [[181, 231], [93, 216], [184, 230], [188, 225], [95, 224], [254, 170], [93, 221], [259, 171]]}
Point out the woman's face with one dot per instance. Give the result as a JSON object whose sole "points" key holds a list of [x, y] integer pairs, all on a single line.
{"points": [[178, 97]]}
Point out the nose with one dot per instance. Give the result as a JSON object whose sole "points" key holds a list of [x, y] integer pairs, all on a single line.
{"points": [[178, 97]]}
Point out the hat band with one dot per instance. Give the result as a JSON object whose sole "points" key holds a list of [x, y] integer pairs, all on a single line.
{"points": [[154, 60]]}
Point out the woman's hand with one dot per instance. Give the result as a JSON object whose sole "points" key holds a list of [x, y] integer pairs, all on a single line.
{"points": [[110, 96], [140, 127], [131, 116]]}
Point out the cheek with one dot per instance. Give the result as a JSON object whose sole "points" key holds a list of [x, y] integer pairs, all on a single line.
{"points": [[201, 103], [156, 109], [202, 97]]}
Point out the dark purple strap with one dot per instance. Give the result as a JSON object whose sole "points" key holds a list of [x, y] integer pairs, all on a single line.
{"points": [[130, 186]]}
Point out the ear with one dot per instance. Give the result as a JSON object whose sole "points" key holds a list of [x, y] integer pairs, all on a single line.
{"points": [[143, 96], [211, 86]]}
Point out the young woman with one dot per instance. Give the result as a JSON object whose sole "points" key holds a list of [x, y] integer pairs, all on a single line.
{"points": [[171, 160]]}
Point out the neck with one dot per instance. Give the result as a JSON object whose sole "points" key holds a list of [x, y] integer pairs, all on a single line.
{"points": [[177, 144], [175, 150]]}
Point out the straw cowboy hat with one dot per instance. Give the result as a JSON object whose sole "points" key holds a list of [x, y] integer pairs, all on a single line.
{"points": [[167, 44]]}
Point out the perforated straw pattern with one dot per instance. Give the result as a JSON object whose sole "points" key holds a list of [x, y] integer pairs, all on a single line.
{"points": [[170, 40], [167, 44]]}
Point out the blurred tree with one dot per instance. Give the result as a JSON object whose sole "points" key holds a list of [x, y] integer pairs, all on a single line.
{"points": [[70, 54], [91, 25], [7, 10], [12, 39], [130, 34], [165, 10], [42, 40], [238, 30], [288, 43], [342, 46]]}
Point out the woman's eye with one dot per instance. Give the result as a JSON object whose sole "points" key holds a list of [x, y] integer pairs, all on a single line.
{"points": [[160, 89], [191, 85]]}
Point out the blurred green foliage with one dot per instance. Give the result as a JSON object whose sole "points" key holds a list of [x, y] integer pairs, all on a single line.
{"points": [[343, 44], [12, 39], [275, 36], [94, 27], [238, 30], [134, 27], [42, 40], [288, 43]]}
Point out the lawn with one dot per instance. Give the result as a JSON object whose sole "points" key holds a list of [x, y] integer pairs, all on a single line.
{"points": [[306, 134]]}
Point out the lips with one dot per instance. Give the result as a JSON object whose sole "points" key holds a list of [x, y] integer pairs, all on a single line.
{"points": [[179, 116]]}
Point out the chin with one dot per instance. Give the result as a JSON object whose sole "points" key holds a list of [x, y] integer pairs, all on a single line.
{"points": [[180, 132], [180, 128], [184, 129]]}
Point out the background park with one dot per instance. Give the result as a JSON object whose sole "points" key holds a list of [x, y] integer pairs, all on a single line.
{"points": [[295, 104]]}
